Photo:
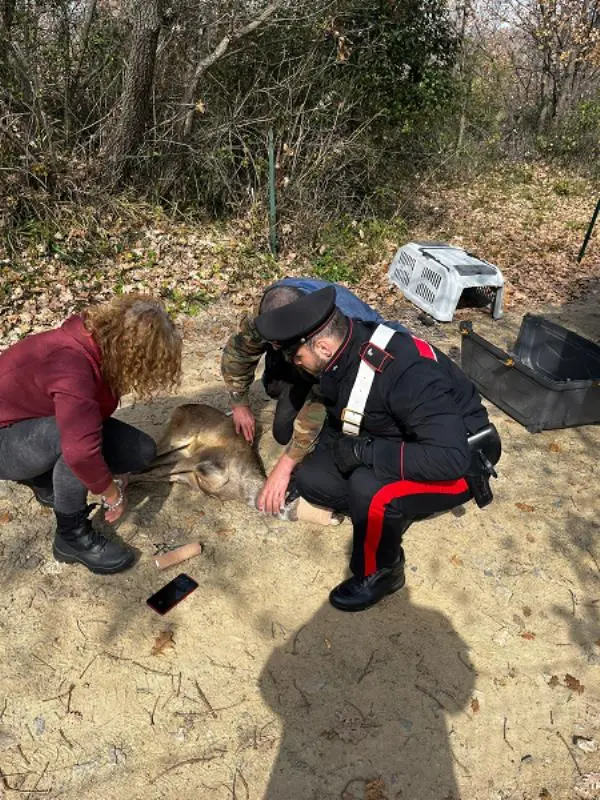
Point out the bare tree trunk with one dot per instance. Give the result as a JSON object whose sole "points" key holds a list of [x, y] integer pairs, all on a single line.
{"points": [[7, 10], [467, 85], [83, 37], [134, 107], [569, 89], [547, 91]]}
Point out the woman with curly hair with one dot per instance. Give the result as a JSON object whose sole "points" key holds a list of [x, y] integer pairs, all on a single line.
{"points": [[58, 390]]}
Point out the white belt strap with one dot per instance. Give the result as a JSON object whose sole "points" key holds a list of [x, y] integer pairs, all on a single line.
{"points": [[353, 413]]}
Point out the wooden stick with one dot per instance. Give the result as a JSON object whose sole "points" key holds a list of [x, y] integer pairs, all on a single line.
{"points": [[178, 555]]}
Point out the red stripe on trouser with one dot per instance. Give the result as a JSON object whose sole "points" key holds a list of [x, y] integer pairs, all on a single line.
{"points": [[392, 491]]}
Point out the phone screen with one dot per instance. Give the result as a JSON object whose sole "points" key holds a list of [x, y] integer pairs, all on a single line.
{"points": [[172, 593]]}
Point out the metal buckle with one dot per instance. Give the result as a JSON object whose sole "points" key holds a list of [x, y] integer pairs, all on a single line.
{"points": [[351, 417]]}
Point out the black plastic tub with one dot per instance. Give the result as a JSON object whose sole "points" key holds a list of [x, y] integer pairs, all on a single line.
{"points": [[551, 379]]}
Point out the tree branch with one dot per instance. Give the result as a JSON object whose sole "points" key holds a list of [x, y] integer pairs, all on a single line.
{"points": [[212, 58]]}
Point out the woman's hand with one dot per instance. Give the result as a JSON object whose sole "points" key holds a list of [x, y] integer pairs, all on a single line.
{"points": [[114, 500], [117, 513]]}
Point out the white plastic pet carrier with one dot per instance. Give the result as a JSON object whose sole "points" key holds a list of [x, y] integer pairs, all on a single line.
{"points": [[434, 276]]}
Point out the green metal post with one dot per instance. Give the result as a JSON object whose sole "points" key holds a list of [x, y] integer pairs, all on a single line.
{"points": [[588, 234], [272, 196]]}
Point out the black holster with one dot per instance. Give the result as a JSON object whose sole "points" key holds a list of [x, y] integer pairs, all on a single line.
{"points": [[486, 448]]}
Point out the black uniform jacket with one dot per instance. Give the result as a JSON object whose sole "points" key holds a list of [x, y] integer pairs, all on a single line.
{"points": [[420, 410]]}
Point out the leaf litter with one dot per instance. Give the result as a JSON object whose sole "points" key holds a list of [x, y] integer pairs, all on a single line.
{"points": [[163, 642], [534, 239], [569, 682], [587, 787]]}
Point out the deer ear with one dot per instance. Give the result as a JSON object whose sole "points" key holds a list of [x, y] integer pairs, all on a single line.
{"points": [[212, 473], [209, 467]]}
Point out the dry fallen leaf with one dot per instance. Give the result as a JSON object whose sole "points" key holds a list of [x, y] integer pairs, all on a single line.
{"points": [[573, 684], [553, 447], [585, 743], [587, 786], [375, 790], [474, 705], [456, 560], [525, 507], [164, 641], [528, 635], [4, 518]]}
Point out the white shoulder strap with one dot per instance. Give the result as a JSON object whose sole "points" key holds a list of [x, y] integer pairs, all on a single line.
{"points": [[353, 413]]}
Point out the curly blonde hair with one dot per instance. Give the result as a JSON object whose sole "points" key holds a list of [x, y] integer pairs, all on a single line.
{"points": [[140, 345]]}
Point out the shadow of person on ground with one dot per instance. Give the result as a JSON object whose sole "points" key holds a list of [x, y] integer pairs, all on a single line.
{"points": [[577, 545], [363, 700]]}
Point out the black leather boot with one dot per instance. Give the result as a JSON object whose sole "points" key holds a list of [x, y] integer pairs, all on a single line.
{"points": [[76, 542], [356, 594], [43, 494]]}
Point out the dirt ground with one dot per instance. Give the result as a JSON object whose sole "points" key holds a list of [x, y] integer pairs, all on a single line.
{"points": [[478, 681]]}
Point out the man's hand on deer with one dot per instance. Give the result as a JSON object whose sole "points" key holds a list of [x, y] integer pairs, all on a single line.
{"points": [[245, 422], [271, 500]]}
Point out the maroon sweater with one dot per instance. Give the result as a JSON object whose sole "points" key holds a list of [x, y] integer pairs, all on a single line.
{"points": [[58, 374]]}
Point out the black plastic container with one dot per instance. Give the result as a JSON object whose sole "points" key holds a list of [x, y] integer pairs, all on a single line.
{"points": [[551, 379]]}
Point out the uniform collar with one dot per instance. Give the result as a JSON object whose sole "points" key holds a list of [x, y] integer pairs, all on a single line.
{"points": [[347, 353]]}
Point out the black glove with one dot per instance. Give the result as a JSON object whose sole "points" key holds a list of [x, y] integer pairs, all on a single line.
{"points": [[351, 452]]}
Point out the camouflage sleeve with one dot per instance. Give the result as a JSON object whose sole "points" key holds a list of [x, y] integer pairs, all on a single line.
{"points": [[307, 427], [240, 358]]}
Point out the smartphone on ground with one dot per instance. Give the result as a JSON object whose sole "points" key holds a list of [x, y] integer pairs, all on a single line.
{"points": [[172, 593]]}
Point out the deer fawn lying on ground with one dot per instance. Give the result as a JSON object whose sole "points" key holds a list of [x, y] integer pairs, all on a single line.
{"points": [[200, 447]]}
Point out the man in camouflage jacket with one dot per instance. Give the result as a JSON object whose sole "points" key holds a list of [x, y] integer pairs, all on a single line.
{"points": [[299, 414]]}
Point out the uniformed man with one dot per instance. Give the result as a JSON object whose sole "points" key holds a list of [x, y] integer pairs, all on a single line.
{"points": [[405, 434], [299, 415]]}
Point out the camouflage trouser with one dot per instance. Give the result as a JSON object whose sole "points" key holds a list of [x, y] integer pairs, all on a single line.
{"points": [[283, 381]]}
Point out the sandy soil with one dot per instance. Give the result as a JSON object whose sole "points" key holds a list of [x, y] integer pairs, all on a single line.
{"points": [[471, 683]]}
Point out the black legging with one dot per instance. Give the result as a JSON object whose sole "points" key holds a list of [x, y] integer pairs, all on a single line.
{"points": [[31, 450]]}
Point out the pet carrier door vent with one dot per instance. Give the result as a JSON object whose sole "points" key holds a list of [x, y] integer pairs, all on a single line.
{"points": [[434, 275]]}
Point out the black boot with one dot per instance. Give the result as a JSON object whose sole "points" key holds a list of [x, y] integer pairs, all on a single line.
{"points": [[356, 594], [76, 542], [43, 494]]}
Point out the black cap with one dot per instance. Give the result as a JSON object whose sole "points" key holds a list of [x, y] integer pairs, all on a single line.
{"points": [[294, 323]]}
